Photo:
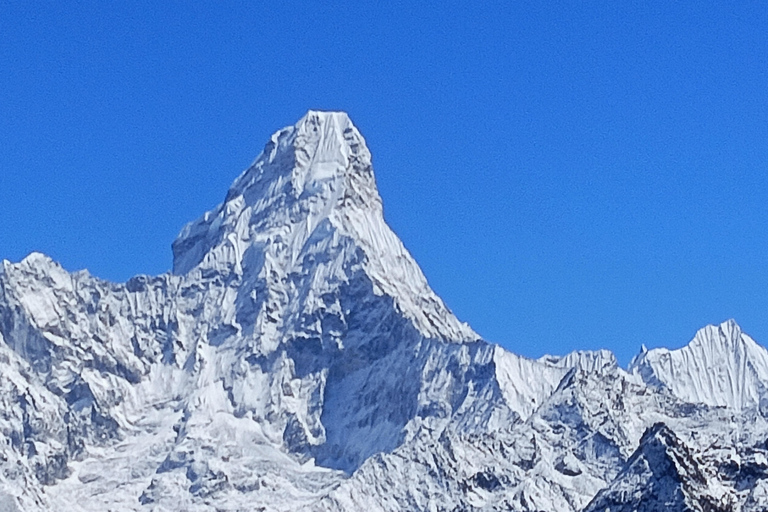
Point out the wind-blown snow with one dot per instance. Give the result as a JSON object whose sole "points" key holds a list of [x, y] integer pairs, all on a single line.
{"points": [[296, 358]]}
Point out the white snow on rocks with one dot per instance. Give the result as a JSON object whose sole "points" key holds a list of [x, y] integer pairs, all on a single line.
{"points": [[721, 366]]}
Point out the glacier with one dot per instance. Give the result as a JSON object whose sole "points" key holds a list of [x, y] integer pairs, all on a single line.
{"points": [[295, 358]]}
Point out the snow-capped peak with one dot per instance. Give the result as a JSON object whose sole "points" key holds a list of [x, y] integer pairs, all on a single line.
{"points": [[311, 195], [304, 172], [721, 366], [318, 152]]}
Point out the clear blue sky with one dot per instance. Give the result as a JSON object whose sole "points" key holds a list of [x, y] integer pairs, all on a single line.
{"points": [[568, 174]]}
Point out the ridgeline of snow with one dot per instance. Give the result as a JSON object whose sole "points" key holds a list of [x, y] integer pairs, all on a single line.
{"points": [[721, 366]]}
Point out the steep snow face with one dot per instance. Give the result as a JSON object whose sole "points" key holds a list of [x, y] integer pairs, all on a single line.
{"points": [[721, 366], [312, 190], [526, 383]]}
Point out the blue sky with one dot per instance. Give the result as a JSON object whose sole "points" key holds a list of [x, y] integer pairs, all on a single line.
{"points": [[568, 174]]}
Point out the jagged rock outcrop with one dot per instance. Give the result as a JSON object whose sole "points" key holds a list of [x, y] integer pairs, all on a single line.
{"points": [[662, 474]]}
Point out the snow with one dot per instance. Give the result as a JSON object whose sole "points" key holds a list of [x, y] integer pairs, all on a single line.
{"points": [[721, 366], [296, 358]]}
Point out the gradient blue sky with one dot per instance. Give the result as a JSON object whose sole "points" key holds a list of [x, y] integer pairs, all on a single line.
{"points": [[568, 174]]}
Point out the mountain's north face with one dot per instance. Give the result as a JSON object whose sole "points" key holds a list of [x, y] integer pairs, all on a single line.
{"points": [[296, 359]]}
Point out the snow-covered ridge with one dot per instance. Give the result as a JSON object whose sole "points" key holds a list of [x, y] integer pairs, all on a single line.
{"points": [[526, 383], [721, 366]]}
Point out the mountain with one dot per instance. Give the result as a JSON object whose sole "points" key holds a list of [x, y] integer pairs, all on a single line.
{"points": [[721, 366], [662, 474], [296, 358]]}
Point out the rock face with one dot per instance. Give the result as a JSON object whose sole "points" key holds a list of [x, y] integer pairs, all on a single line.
{"points": [[662, 474], [296, 358]]}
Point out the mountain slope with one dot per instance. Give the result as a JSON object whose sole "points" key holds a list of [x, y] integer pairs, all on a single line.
{"points": [[721, 366], [662, 474]]}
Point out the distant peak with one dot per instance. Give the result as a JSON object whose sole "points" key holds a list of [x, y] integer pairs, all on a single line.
{"points": [[37, 257], [328, 147], [40, 265], [38, 261], [587, 360], [724, 334], [325, 133], [721, 366]]}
